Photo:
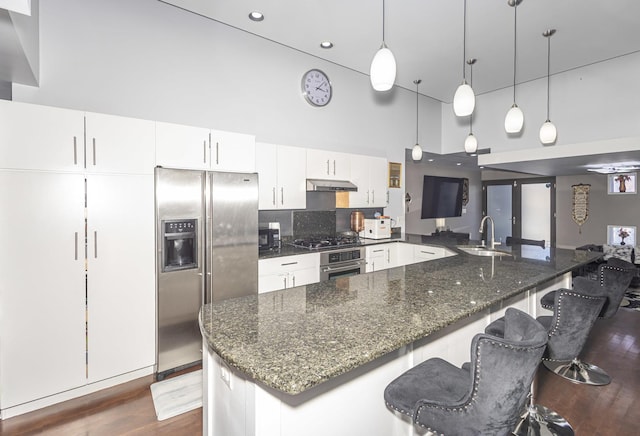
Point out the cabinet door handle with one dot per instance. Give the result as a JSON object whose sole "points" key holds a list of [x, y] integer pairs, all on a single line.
{"points": [[294, 281], [367, 197], [204, 151], [94, 151], [328, 167], [95, 244], [281, 195], [284, 282], [274, 195], [76, 244], [373, 196], [334, 167], [388, 256], [217, 154], [75, 150], [290, 263], [387, 197]]}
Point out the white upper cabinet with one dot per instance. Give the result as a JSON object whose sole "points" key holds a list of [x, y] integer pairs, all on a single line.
{"points": [[119, 145], [328, 165], [180, 146], [40, 137], [233, 152], [369, 174], [281, 176], [34, 137]]}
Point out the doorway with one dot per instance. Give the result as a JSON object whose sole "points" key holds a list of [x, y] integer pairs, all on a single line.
{"points": [[521, 208]]}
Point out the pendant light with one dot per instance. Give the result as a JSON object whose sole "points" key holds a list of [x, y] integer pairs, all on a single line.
{"points": [[383, 65], [416, 152], [471, 143], [548, 132], [515, 118], [464, 100]]}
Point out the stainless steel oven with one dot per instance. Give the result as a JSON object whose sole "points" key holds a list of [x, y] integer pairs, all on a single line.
{"points": [[341, 263]]}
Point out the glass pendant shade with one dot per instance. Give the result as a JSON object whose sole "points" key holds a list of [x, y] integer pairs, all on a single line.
{"points": [[416, 152], [514, 120], [548, 133], [470, 144], [464, 100], [383, 69]]}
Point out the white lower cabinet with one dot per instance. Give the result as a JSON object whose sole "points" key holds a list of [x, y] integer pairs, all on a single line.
{"points": [[288, 271], [67, 320], [392, 254]]}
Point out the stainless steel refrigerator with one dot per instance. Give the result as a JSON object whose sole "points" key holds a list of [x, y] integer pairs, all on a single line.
{"points": [[207, 250]]}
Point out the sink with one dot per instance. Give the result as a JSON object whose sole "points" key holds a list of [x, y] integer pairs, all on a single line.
{"points": [[481, 250]]}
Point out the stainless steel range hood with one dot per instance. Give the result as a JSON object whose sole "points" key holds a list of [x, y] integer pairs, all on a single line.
{"points": [[319, 185]]}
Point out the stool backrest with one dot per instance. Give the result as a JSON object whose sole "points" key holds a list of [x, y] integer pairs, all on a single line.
{"points": [[574, 314], [615, 276], [502, 370]]}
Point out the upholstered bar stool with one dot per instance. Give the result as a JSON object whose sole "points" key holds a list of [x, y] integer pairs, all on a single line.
{"points": [[614, 276], [574, 313], [537, 420], [484, 397]]}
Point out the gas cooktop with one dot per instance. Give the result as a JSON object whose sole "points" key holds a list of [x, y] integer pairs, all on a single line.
{"points": [[318, 243]]}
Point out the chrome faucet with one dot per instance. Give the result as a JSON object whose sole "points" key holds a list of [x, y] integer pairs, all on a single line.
{"points": [[492, 242]]}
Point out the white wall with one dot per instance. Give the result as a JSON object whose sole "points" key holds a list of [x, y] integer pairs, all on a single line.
{"points": [[592, 103], [147, 59]]}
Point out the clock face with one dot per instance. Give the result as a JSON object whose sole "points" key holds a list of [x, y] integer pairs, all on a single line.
{"points": [[316, 87]]}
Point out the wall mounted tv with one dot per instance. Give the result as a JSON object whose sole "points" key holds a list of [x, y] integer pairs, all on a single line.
{"points": [[441, 197]]}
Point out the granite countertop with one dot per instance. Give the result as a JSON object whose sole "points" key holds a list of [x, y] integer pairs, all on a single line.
{"points": [[297, 338]]}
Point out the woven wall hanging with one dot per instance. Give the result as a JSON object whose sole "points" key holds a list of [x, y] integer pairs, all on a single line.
{"points": [[580, 209]]}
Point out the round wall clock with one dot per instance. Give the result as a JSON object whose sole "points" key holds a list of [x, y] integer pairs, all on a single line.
{"points": [[316, 87]]}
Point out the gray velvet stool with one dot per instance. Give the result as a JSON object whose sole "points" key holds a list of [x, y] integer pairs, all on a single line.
{"points": [[574, 313], [614, 276], [485, 396]]}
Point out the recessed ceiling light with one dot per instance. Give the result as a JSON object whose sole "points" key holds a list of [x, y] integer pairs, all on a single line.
{"points": [[458, 163], [256, 16], [430, 160], [326, 44]]}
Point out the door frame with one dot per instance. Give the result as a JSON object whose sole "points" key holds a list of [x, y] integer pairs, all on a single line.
{"points": [[516, 203]]}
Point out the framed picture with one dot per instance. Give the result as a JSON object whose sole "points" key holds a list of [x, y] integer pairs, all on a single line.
{"points": [[625, 183], [621, 235]]}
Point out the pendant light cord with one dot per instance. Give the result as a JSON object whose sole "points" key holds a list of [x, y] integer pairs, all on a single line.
{"points": [[548, 70], [382, 21], [515, 46], [417, 82], [471, 84], [464, 41]]}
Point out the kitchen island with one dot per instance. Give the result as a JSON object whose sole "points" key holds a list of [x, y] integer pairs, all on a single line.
{"points": [[315, 359]]}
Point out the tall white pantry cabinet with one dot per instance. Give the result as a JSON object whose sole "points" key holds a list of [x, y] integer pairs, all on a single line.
{"points": [[77, 272]]}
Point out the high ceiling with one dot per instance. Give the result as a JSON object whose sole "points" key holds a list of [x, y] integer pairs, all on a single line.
{"points": [[426, 36]]}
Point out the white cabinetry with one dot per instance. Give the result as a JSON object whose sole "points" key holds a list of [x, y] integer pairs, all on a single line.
{"points": [[281, 176], [288, 271], [369, 174], [180, 146], [77, 288], [429, 252], [42, 289], [328, 165], [381, 256]]}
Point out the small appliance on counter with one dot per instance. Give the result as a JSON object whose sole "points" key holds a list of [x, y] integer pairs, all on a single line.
{"points": [[269, 236], [378, 228]]}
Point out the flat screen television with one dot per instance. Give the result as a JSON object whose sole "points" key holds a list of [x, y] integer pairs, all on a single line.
{"points": [[441, 197]]}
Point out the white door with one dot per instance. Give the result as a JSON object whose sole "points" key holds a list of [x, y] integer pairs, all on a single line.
{"points": [[41, 137], [119, 145], [267, 168], [120, 276], [233, 152], [42, 291], [179, 146], [292, 177]]}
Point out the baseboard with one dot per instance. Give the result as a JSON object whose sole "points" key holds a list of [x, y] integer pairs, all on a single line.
{"points": [[74, 393]]}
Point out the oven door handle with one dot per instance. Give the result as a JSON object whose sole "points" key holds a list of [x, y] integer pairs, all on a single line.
{"points": [[342, 267]]}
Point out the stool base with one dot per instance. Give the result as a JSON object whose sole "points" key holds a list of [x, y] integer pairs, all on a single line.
{"points": [[540, 421], [577, 371]]}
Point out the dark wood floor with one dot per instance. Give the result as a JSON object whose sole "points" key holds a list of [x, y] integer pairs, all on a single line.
{"points": [[614, 345]]}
